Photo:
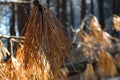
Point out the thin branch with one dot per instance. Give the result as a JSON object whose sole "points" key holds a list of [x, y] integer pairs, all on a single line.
{"points": [[14, 37], [80, 27], [13, 1]]}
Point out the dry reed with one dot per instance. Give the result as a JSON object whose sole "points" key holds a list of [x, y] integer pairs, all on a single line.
{"points": [[116, 22], [89, 73], [45, 47], [98, 34], [106, 66]]}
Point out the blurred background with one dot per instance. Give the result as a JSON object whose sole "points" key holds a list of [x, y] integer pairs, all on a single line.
{"points": [[14, 13]]}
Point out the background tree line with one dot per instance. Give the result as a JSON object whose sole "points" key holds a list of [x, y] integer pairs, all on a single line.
{"points": [[69, 12], [13, 15]]}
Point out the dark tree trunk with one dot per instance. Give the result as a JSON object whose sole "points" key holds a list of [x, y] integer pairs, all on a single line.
{"points": [[22, 13], [71, 13], [114, 7], [12, 20], [92, 7], [118, 6], [58, 8], [12, 24], [64, 12], [48, 3], [101, 13], [83, 9]]}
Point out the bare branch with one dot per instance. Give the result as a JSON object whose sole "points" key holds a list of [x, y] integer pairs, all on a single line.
{"points": [[14, 37], [16, 1]]}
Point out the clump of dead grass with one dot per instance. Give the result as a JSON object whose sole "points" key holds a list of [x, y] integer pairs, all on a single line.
{"points": [[45, 46], [93, 46], [106, 66]]}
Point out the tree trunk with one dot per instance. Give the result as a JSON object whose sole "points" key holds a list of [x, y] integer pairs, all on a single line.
{"points": [[71, 13], [101, 13], [92, 7], [83, 9], [64, 12], [118, 6], [12, 24], [114, 7], [48, 3], [58, 8], [22, 13], [12, 20]]}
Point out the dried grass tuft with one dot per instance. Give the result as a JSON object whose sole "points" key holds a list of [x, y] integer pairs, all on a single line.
{"points": [[117, 61], [45, 47], [97, 39], [116, 22], [8, 68], [89, 73], [3, 51], [99, 35], [106, 66]]}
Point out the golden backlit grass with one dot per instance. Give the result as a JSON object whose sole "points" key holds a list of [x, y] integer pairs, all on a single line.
{"points": [[45, 46]]}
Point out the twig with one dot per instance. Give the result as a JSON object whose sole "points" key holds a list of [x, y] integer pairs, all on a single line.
{"points": [[80, 27], [13, 1], [87, 45], [14, 37]]}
